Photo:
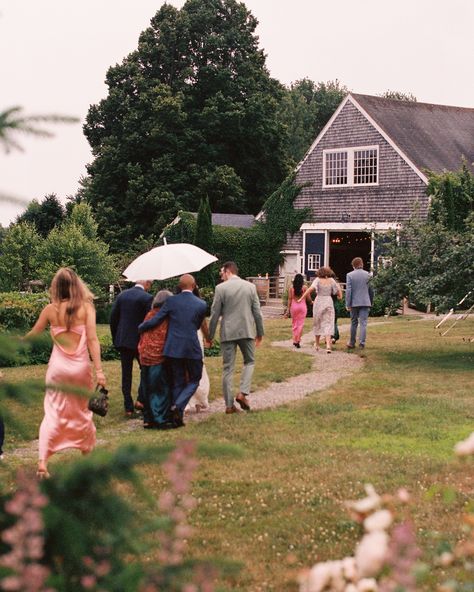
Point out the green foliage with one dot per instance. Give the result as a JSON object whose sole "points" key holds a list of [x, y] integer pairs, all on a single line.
{"points": [[256, 250], [38, 351], [191, 112], [45, 215], [452, 198], [432, 262], [399, 96], [429, 265], [305, 109], [18, 312], [18, 259], [76, 244], [203, 238], [207, 294]]}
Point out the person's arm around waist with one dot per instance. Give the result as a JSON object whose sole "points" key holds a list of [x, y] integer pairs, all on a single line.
{"points": [[155, 321]]}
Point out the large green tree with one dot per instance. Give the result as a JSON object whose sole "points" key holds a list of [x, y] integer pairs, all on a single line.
{"points": [[204, 239], [18, 256], [305, 110], [191, 112], [44, 215]]}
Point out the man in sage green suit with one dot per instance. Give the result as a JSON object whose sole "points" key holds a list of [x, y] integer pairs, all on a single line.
{"points": [[236, 303]]}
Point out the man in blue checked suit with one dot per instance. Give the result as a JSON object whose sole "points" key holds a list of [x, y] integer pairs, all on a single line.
{"points": [[185, 313]]}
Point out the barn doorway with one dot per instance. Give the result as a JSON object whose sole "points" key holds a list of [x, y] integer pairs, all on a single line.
{"points": [[343, 247]]}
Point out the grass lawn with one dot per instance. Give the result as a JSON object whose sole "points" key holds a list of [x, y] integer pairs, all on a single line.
{"points": [[278, 505]]}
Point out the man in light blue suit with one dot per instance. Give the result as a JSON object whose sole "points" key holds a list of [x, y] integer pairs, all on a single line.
{"points": [[186, 313], [359, 299]]}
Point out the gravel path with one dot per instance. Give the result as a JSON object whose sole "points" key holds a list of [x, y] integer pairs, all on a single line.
{"points": [[327, 370]]}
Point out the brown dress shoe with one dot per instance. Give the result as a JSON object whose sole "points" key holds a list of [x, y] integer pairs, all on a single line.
{"points": [[232, 409], [243, 401]]}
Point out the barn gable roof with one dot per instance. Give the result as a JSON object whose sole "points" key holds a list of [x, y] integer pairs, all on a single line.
{"points": [[434, 137], [429, 137]]}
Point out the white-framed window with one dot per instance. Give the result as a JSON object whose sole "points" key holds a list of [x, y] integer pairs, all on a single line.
{"points": [[348, 167], [314, 261], [336, 168]]}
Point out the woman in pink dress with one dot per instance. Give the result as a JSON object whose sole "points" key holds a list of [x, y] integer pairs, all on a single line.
{"points": [[297, 309], [67, 421]]}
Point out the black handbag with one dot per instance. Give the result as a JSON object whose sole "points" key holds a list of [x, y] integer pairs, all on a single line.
{"points": [[99, 403]]}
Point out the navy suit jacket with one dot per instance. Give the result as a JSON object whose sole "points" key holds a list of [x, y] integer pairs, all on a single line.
{"points": [[128, 312], [186, 313]]}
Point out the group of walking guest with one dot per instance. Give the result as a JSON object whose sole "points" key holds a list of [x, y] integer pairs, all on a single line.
{"points": [[359, 299], [166, 334]]}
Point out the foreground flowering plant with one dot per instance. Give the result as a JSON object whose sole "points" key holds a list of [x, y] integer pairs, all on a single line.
{"points": [[25, 539], [27, 563], [387, 556], [383, 544]]}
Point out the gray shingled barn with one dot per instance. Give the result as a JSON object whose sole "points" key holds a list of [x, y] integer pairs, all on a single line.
{"points": [[367, 170]]}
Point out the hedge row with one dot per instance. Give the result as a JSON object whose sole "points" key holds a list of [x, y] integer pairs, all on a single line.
{"points": [[38, 351]]}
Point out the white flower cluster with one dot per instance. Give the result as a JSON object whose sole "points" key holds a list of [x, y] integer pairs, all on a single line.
{"points": [[358, 573], [465, 447]]}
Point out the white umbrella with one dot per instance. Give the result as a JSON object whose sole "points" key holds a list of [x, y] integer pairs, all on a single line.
{"points": [[168, 261]]}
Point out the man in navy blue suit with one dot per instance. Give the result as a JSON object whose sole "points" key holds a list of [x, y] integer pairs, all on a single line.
{"points": [[186, 313], [128, 312]]}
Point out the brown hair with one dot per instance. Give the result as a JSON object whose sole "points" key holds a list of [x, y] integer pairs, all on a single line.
{"points": [[231, 266], [357, 263], [325, 272], [68, 287]]}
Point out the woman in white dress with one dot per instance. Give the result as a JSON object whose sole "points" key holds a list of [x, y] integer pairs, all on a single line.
{"points": [[325, 287]]}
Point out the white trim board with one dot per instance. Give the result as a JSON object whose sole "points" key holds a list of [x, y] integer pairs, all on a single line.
{"points": [[354, 226]]}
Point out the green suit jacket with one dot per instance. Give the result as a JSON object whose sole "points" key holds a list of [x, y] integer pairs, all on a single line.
{"points": [[236, 302]]}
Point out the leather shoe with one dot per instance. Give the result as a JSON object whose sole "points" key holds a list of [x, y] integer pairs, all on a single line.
{"points": [[166, 425], [139, 406], [350, 346], [232, 409], [242, 401]]}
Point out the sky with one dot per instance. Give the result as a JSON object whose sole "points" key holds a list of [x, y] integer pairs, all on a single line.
{"points": [[55, 54]]}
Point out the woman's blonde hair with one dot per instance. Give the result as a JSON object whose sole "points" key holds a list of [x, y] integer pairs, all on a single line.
{"points": [[68, 286]]}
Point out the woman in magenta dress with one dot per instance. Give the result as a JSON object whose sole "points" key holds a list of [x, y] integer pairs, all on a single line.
{"points": [[298, 310], [67, 421]]}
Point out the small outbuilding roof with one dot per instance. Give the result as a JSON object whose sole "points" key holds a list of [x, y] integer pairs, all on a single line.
{"points": [[236, 220], [434, 137]]}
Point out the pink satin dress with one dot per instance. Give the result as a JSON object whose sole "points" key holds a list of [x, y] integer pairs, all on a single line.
{"points": [[298, 311], [67, 421]]}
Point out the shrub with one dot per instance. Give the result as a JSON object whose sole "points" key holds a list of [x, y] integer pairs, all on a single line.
{"points": [[381, 306], [103, 310], [207, 294], [38, 351], [18, 312]]}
